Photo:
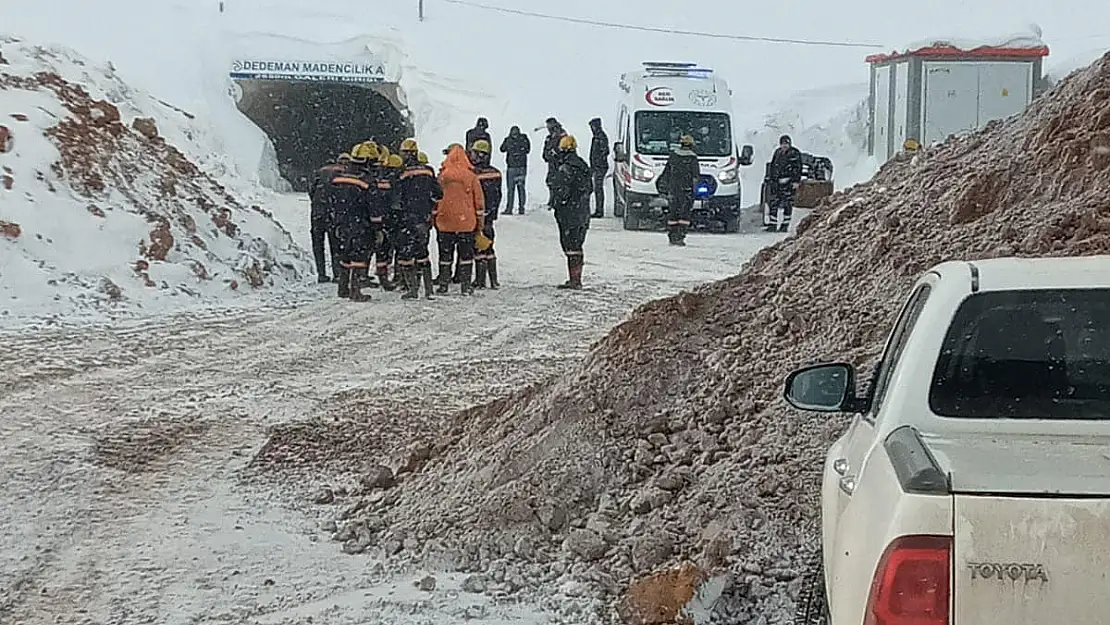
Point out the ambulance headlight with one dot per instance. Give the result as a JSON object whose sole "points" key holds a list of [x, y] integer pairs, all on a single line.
{"points": [[728, 176], [643, 174]]}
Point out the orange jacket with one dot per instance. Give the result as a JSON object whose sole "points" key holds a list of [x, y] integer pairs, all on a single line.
{"points": [[463, 206]]}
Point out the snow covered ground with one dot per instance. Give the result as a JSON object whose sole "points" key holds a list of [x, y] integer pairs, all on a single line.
{"points": [[123, 446]]}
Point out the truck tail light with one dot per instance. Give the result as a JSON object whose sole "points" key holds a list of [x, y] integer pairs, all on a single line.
{"points": [[912, 583]]}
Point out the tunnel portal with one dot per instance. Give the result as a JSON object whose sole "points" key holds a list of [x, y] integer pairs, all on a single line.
{"points": [[310, 122]]}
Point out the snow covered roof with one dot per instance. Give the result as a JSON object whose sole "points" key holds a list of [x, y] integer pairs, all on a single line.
{"points": [[1019, 45]]}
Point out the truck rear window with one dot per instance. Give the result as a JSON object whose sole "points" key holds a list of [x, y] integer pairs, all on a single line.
{"points": [[1026, 355]]}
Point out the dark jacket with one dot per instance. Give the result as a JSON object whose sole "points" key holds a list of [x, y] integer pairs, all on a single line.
{"points": [[476, 134], [570, 190], [490, 178], [349, 197], [516, 149], [599, 152], [418, 191], [680, 175], [322, 177], [786, 164], [383, 196], [551, 146]]}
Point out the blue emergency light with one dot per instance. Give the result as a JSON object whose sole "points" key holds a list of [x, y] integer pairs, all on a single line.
{"points": [[702, 191]]}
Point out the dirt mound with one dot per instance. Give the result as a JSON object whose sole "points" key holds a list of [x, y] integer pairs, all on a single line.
{"points": [[107, 212], [671, 442]]}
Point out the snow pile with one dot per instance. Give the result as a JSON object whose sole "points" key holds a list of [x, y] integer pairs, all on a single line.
{"points": [[1025, 39], [671, 441], [103, 212]]}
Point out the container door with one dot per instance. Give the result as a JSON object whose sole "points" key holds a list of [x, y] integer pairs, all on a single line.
{"points": [[1004, 89], [882, 113], [951, 100], [901, 103]]}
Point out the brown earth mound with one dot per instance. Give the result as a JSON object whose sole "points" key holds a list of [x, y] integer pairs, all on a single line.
{"points": [[672, 441]]}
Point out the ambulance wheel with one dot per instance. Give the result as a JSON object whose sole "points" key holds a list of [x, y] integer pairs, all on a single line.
{"points": [[813, 605], [631, 221]]}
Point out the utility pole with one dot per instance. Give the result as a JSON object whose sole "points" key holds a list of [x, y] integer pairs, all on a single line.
{"points": [[421, 8]]}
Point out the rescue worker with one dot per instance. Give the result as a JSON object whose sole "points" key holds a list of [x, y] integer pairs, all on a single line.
{"points": [[784, 174], [459, 218], [555, 132], [516, 147], [320, 220], [419, 193], [480, 132], [678, 182], [570, 188], [599, 165], [385, 200], [485, 260], [349, 197]]}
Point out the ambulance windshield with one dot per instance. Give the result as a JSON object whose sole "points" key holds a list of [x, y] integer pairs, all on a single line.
{"points": [[657, 132]]}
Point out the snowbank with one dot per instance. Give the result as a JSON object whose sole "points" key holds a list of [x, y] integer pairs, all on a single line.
{"points": [[111, 214], [1027, 39]]}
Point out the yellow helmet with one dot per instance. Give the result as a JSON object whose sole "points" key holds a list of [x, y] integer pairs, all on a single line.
{"points": [[568, 142], [383, 154], [422, 158], [686, 141], [394, 161], [365, 151], [911, 145], [343, 158], [409, 145], [483, 146]]}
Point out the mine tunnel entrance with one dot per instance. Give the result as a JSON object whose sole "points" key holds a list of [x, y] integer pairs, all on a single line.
{"points": [[310, 123]]}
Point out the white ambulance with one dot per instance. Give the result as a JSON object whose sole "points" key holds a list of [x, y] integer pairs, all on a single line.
{"points": [[662, 102]]}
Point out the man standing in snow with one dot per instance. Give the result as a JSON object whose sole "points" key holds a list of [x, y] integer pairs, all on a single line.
{"points": [[555, 133], [349, 198], [485, 259], [459, 218], [419, 192], [599, 164], [516, 147], [784, 174], [677, 183], [321, 219], [570, 198], [480, 132]]}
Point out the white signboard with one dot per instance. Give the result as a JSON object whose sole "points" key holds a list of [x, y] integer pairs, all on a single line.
{"points": [[320, 71]]}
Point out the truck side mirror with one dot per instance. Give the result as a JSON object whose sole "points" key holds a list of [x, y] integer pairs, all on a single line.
{"points": [[827, 387], [619, 155], [746, 154]]}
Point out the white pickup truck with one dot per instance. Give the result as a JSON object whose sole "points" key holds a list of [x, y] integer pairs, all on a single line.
{"points": [[973, 484]]}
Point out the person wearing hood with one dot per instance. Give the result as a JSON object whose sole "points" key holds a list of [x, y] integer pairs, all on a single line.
{"points": [[459, 217], [570, 199], [599, 165], [555, 133], [480, 132], [784, 174], [516, 147], [678, 182]]}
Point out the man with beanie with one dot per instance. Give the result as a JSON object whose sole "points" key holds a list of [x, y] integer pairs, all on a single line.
{"points": [[599, 165]]}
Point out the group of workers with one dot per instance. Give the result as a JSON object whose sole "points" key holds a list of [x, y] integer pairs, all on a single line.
{"points": [[377, 209]]}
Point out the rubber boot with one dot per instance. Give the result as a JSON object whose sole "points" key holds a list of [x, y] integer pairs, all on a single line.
{"points": [[383, 279], [323, 279], [480, 272], [358, 275], [343, 277], [444, 280], [491, 269], [574, 274], [456, 278], [412, 283], [464, 278], [426, 276]]}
